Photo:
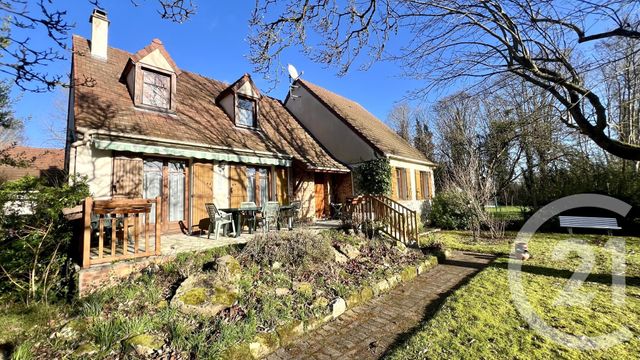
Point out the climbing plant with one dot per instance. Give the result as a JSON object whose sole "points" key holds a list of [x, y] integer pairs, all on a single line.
{"points": [[373, 177]]}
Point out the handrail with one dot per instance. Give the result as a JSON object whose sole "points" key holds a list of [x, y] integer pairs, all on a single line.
{"points": [[107, 223], [398, 221]]}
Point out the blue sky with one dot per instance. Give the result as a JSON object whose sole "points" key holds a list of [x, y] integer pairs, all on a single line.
{"points": [[212, 43]]}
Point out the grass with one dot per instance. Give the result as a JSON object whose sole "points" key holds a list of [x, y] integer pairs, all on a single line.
{"points": [[506, 212], [480, 321]]}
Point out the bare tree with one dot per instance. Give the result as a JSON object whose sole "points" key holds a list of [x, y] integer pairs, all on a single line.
{"points": [[23, 20], [536, 40], [400, 118]]}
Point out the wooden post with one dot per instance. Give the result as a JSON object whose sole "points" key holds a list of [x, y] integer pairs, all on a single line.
{"points": [[86, 238], [158, 217], [125, 236], [114, 236]]}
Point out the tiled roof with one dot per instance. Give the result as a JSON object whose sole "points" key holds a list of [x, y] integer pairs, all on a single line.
{"points": [[369, 127], [107, 105], [39, 160]]}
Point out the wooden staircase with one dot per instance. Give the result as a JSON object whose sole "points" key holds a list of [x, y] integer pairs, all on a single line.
{"points": [[396, 220]]}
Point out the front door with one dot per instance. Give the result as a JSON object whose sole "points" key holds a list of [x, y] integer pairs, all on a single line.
{"points": [[167, 179], [320, 195], [202, 193]]}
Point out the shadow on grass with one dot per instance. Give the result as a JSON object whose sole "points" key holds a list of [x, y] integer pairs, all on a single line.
{"points": [[435, 305], [567, 274]]}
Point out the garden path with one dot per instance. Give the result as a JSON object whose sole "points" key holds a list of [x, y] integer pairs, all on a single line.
{"points": [[370, 330]]}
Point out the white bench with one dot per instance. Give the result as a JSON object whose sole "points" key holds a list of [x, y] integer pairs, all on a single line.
{"points": [[587, 222]]}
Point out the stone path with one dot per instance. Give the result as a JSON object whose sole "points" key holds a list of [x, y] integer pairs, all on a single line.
{"points": [[371, 329]]}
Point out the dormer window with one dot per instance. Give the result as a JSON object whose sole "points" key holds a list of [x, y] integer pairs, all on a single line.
{"points": [[246, 110], [156, 89]]}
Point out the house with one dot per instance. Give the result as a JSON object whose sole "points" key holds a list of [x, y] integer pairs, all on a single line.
{"points": [[140, 126], [40, 162], [352, 135]]}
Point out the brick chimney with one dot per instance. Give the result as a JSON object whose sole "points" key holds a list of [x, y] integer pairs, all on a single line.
{"points": [[99, 33]]}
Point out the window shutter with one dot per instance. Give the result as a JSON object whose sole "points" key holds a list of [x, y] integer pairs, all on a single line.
{"points": [[202, 193], [419, 194], [408, 181], [237, 185], [281, 185], [429, 188], [127, 177], [394, 183]]}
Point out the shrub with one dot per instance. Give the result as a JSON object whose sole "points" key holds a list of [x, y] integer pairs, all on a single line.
{"points": [[451, 210], [373, 177], [35, 242], [294, 249]]}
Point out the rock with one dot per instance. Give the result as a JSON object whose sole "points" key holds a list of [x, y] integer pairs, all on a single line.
{"points": [[408, 273], [366, 294], [348, 250], [85, 349], [353, 299], [338, 307], [339, 257], [400, 247], [70, 330], [304, 288], [143, 345], [228, 269], [382, 286], [263, 344], [204, 294], [282, 291], [288, 333], [237, 352], [276, 265], [162, 304], [421, 268], [393, 280]]}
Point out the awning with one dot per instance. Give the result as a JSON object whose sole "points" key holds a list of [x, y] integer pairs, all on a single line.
{"points": [[190, 153]]}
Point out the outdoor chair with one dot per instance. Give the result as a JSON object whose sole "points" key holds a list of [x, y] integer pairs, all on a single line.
{"points": [[294, 213], [217, 219], [248, 217], [270, 215]]}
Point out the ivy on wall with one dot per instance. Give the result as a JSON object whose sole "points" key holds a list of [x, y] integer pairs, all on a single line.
{"points": [[373, 177]]}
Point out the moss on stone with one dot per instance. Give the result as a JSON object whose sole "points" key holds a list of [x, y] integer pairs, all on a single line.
{"points": [[366, 293], [85, 350], [353, 299], [143, 343], [224, 296], [289, 332], [238, 352], [320, 303], [195, 296], [408, 273]]}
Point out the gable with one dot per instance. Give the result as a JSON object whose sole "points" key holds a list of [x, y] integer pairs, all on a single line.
{"points": [[157, 60]]}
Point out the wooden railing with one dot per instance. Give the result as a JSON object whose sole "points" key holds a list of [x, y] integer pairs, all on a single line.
{"points": [[119, 229], [394, 219]]}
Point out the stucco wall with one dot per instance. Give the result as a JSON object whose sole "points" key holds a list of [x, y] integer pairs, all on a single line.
{"points": [[96, 165], [336, 137], [414, 203]]}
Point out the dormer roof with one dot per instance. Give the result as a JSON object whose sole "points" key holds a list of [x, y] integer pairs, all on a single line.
{"points": [[155, 46]]}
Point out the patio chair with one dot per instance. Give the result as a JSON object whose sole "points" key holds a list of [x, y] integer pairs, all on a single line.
{"points": [[248, 217], [270, 215], [217, 219], [294, 213]]}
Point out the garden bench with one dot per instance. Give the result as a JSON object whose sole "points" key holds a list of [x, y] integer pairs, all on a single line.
{"points": [[587, 222]]}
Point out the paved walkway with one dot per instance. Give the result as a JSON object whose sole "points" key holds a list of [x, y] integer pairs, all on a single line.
{"points": [[369, 330]]}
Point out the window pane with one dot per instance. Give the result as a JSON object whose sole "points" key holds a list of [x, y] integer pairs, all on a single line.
{"points": [[264, 186], [156, 89], [152, 184], [246, 113], [251, 184], [176, 196]]}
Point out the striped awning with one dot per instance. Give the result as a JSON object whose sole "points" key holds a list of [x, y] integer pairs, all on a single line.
{"points": [[195, 153]]}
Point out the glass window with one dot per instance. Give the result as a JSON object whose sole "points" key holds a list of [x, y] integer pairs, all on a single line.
{"points": [[258, 185], [264, 186], [251, 184], [246, 112], [152, 183], [176, 191], [403, 188], [156, 89]]}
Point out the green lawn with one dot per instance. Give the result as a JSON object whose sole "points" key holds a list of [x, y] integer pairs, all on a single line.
{"points": [[506, 212], [480, 321]]}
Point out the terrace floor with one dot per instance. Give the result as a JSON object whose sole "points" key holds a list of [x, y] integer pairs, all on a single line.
{"points": [[178, 243]]}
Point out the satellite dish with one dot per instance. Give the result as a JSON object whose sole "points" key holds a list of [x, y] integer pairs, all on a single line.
{"points": [[293, 72]]}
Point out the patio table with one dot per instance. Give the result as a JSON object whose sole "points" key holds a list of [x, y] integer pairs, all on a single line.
{"points": [[237, 213]]}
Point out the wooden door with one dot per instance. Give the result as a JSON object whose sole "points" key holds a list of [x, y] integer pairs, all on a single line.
{"points": [[282, 185], [202, 194], [320, 195], [127, 177], [237, 185]]}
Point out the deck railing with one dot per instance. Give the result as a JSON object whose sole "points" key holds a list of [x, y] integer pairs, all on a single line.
{"points": [[119, 229], [394, 219]]}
